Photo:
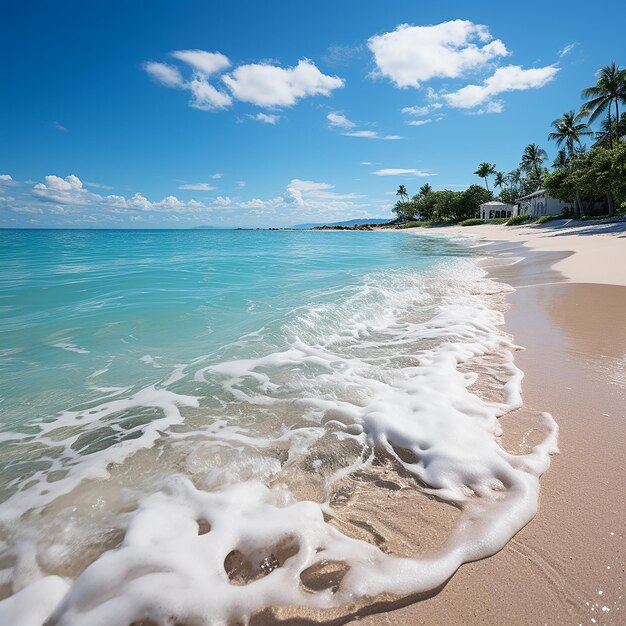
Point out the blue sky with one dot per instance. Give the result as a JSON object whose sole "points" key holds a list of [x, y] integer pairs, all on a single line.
{"points": [[179, 114]]}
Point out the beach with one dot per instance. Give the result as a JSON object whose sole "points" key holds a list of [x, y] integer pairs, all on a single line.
{"points": [[567, 566], [263, 454]]}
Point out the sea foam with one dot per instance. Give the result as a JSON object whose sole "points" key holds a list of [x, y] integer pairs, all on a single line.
{"points": [[388, 367]]}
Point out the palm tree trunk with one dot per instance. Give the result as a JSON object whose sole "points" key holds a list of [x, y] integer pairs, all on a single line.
{"points": [[610, 203]]}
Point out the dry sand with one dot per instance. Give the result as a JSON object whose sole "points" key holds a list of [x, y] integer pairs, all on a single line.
{"points": [[568, 565]]}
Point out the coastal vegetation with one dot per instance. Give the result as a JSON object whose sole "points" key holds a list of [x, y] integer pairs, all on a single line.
{"points": [[589, 169]]}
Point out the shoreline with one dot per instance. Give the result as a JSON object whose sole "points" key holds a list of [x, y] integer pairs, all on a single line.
{"points": [[568, 564]]}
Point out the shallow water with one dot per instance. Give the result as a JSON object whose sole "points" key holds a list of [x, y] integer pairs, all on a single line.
{"points": [[182, 410]]}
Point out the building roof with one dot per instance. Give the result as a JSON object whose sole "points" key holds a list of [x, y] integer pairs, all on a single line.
{"points": [[495, 203]]}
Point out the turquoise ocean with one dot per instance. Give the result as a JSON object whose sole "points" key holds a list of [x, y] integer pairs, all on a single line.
{"points": [[179, 411]]}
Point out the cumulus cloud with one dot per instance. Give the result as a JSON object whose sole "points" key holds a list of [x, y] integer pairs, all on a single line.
{"points": [[396, 171], [508, 78], [5, 178], [166, 75], [410, 55], [206, 97], [266, 118], [203, 62], [338, 120], [419, 122], [68, 190], [272, 86], [261, 84]]}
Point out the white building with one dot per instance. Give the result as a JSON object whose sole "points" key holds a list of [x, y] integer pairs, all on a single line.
{"points": [[495, 210], [540, 203]]}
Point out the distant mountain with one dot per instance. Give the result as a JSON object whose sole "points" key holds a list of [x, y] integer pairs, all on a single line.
{"points": [[373, 220]]}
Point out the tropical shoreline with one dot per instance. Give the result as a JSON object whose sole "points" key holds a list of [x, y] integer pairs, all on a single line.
{"points": [[565, 565]]}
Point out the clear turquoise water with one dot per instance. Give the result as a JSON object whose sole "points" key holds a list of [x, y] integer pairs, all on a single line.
{"points": [[73, 303], [169, 399]]}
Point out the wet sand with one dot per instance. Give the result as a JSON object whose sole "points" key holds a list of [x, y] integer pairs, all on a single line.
{"points": [[568, 565]]}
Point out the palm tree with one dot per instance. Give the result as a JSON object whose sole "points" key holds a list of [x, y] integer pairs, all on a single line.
{"points": [[561, 161], [532, 161], [610, 88], [514, 177], [404, 196], [484, 171], [425, 190], [569, 131], [500, 180]]}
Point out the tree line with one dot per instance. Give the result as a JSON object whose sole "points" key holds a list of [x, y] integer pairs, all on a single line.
{"points": [[580, 174]]}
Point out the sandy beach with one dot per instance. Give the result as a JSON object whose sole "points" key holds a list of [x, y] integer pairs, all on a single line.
{"points": [[567, 566]]}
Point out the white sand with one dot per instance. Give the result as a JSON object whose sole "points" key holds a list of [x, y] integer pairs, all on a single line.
{"points": [[598, 250]]}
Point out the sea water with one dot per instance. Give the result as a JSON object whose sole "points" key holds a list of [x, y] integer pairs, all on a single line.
{"points": [[182, 414]]}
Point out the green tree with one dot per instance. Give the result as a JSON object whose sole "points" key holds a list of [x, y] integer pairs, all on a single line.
{"points": [[469, 201], [568, 131], [425, 189], [609, 91], [509, 195], [484, 171], [404, 196], [532, 163], [561, 160], [500, 180]]}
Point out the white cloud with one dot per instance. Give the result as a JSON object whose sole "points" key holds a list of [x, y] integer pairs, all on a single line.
{"points": [[495, 106], [59, 127], [206, 97], [338, 120], [509, 78], [205, 63], [222, 201], [566, 50], [391, 171], [419, 122], [410, 55], [240, 183], [265, 118], [27, 209], [371, 134], [216, 175], [309, 185], [97, 185], [68, 190], [423, 110], [269, 85], [197, 187], [6, 178], [368, 134], [167, 75]]}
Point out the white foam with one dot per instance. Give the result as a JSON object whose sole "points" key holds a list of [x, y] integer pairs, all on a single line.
{"points": [[377, 364]]}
